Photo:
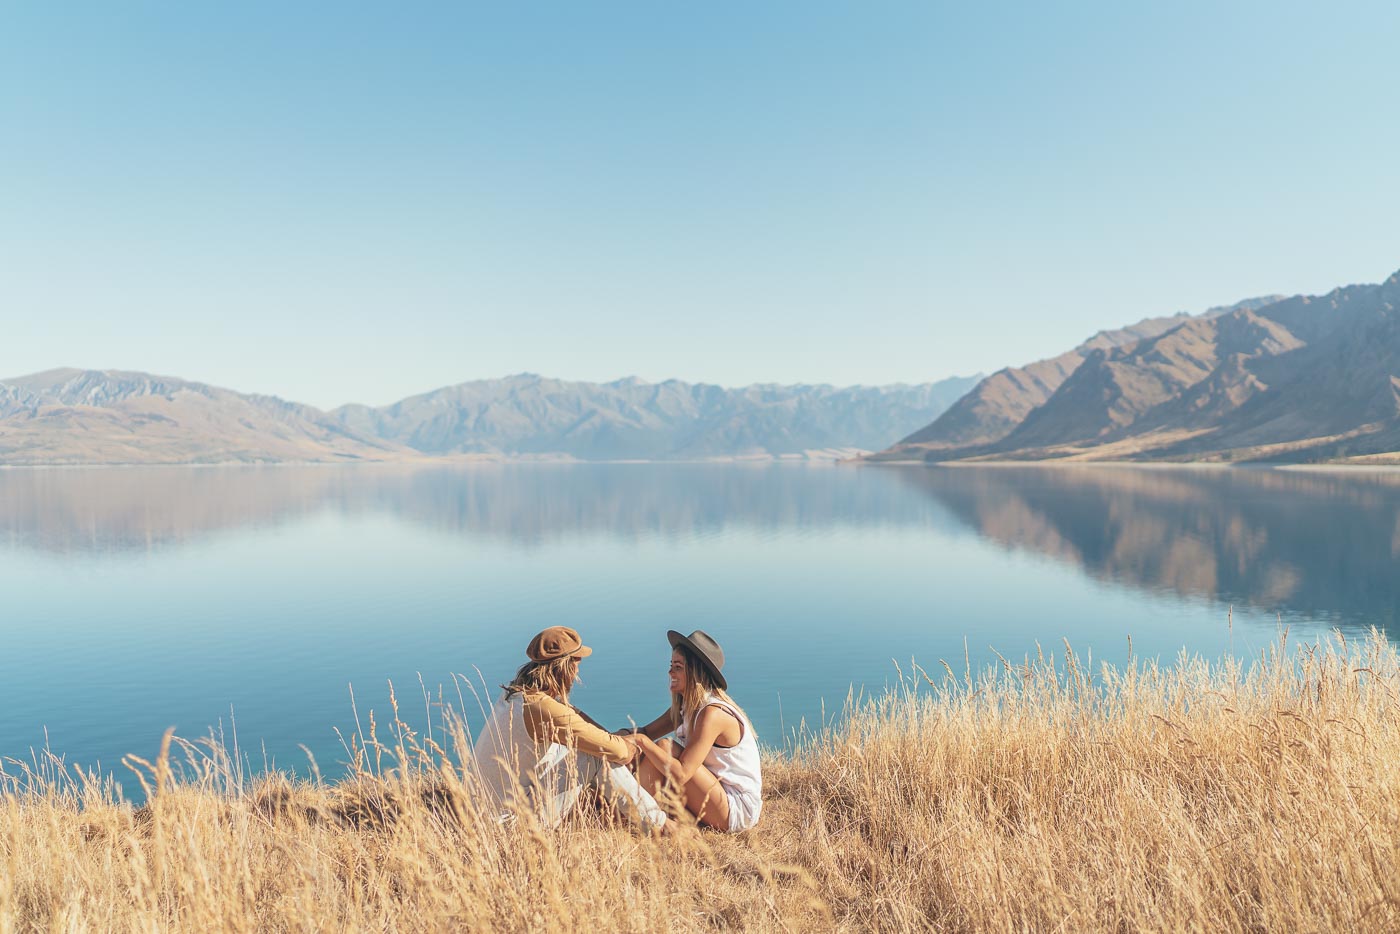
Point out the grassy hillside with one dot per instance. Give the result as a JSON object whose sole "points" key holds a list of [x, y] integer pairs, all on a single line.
{"points": [[1308, 379], [1041, 796]]}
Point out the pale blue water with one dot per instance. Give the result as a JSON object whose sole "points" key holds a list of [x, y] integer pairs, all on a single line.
{"points": [[136, 599]]}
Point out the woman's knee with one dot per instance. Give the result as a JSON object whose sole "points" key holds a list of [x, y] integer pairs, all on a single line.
{"points": [[665, 745]]}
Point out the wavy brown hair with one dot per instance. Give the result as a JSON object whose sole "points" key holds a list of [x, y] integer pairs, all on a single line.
{"points": [[555, 677]]}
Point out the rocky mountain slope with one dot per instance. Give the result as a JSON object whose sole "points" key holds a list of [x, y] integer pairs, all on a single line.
{"points": [[114, 417], [995, 406], [633, 419], [1309, 378]]}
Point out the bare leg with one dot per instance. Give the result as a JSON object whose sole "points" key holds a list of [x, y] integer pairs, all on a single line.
{"points": [[648, 775], [703, 796]]}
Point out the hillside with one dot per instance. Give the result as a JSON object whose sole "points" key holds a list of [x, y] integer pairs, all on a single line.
{"points": [[999, 403], [1051, 793], [1304, 379], [632, 419], [114, 417], [71, 417]]}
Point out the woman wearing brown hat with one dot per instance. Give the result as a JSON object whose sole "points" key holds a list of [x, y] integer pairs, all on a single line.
{"points": [[537, 751], [714, 758]]}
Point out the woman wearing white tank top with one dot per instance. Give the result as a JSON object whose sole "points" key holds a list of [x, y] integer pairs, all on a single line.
{"points": [[714, 758]]}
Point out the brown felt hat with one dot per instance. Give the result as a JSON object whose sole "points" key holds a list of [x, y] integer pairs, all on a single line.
{"points": [[556, 642], [706, 649]]}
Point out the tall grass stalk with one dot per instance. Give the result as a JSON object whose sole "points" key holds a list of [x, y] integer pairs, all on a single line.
{"points": [[1045, 795]]}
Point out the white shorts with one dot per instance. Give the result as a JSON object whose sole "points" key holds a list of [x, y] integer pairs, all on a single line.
{"points": [[743, 810]]}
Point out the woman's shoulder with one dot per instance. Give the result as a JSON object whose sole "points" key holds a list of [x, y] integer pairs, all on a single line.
{"points": [[721, 702], [538, 706], [717, 711], [715, 702], [528, 697]]}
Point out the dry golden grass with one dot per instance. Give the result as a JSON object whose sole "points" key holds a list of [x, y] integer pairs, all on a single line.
{"points": [[1033, 798]]}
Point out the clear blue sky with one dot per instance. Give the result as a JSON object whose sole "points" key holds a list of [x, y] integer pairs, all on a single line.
{"points": [[340, 202]]}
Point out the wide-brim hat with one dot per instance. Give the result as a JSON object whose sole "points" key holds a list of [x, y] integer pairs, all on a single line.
{"points": [[706, 649], [556, 642]]}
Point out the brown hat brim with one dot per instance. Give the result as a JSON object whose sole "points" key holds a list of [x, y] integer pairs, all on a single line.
{"points": [[678, 639]]}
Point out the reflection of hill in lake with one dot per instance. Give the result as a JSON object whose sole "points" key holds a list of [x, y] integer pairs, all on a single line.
{"points": [[139, 508], [123, 509], [536, 504], [1324, 545]]}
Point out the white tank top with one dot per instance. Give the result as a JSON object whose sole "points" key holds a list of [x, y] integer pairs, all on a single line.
{"points": [[507, 760], [736, 766]]}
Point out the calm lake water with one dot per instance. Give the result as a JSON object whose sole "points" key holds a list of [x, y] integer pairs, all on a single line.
{"points": [[137, 599]]}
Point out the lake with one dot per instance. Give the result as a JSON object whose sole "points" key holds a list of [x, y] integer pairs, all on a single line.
{"points": [[134, 599]]}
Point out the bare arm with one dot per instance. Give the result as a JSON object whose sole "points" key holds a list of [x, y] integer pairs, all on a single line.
{"points": [[712, 723], [655, 729]]}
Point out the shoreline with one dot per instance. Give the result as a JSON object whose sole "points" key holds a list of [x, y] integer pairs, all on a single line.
{"points": [[738, 460], [457, 461], [1134, 465], [1199, 797]]}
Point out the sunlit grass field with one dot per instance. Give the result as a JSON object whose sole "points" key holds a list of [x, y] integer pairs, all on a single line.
{"points": [[1039, 796]]}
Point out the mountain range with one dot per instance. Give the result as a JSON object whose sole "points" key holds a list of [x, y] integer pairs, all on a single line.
{"points": [[1300, 379], [630, 419], [1270, 379], [71, 416]]}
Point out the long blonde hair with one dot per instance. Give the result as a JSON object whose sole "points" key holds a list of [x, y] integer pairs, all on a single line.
{"points": [[554, 677], [699, 684]]}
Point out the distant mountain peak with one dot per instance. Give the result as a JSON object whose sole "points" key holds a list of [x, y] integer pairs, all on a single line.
{"points": [[118, 416], [996, 406], [86, 416], [1268, 378], [633, 419]]}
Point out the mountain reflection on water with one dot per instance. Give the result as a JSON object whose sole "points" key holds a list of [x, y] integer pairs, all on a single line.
{"points": [[140, 598], [1322, 545], [121, 509], [1318, 544]]}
